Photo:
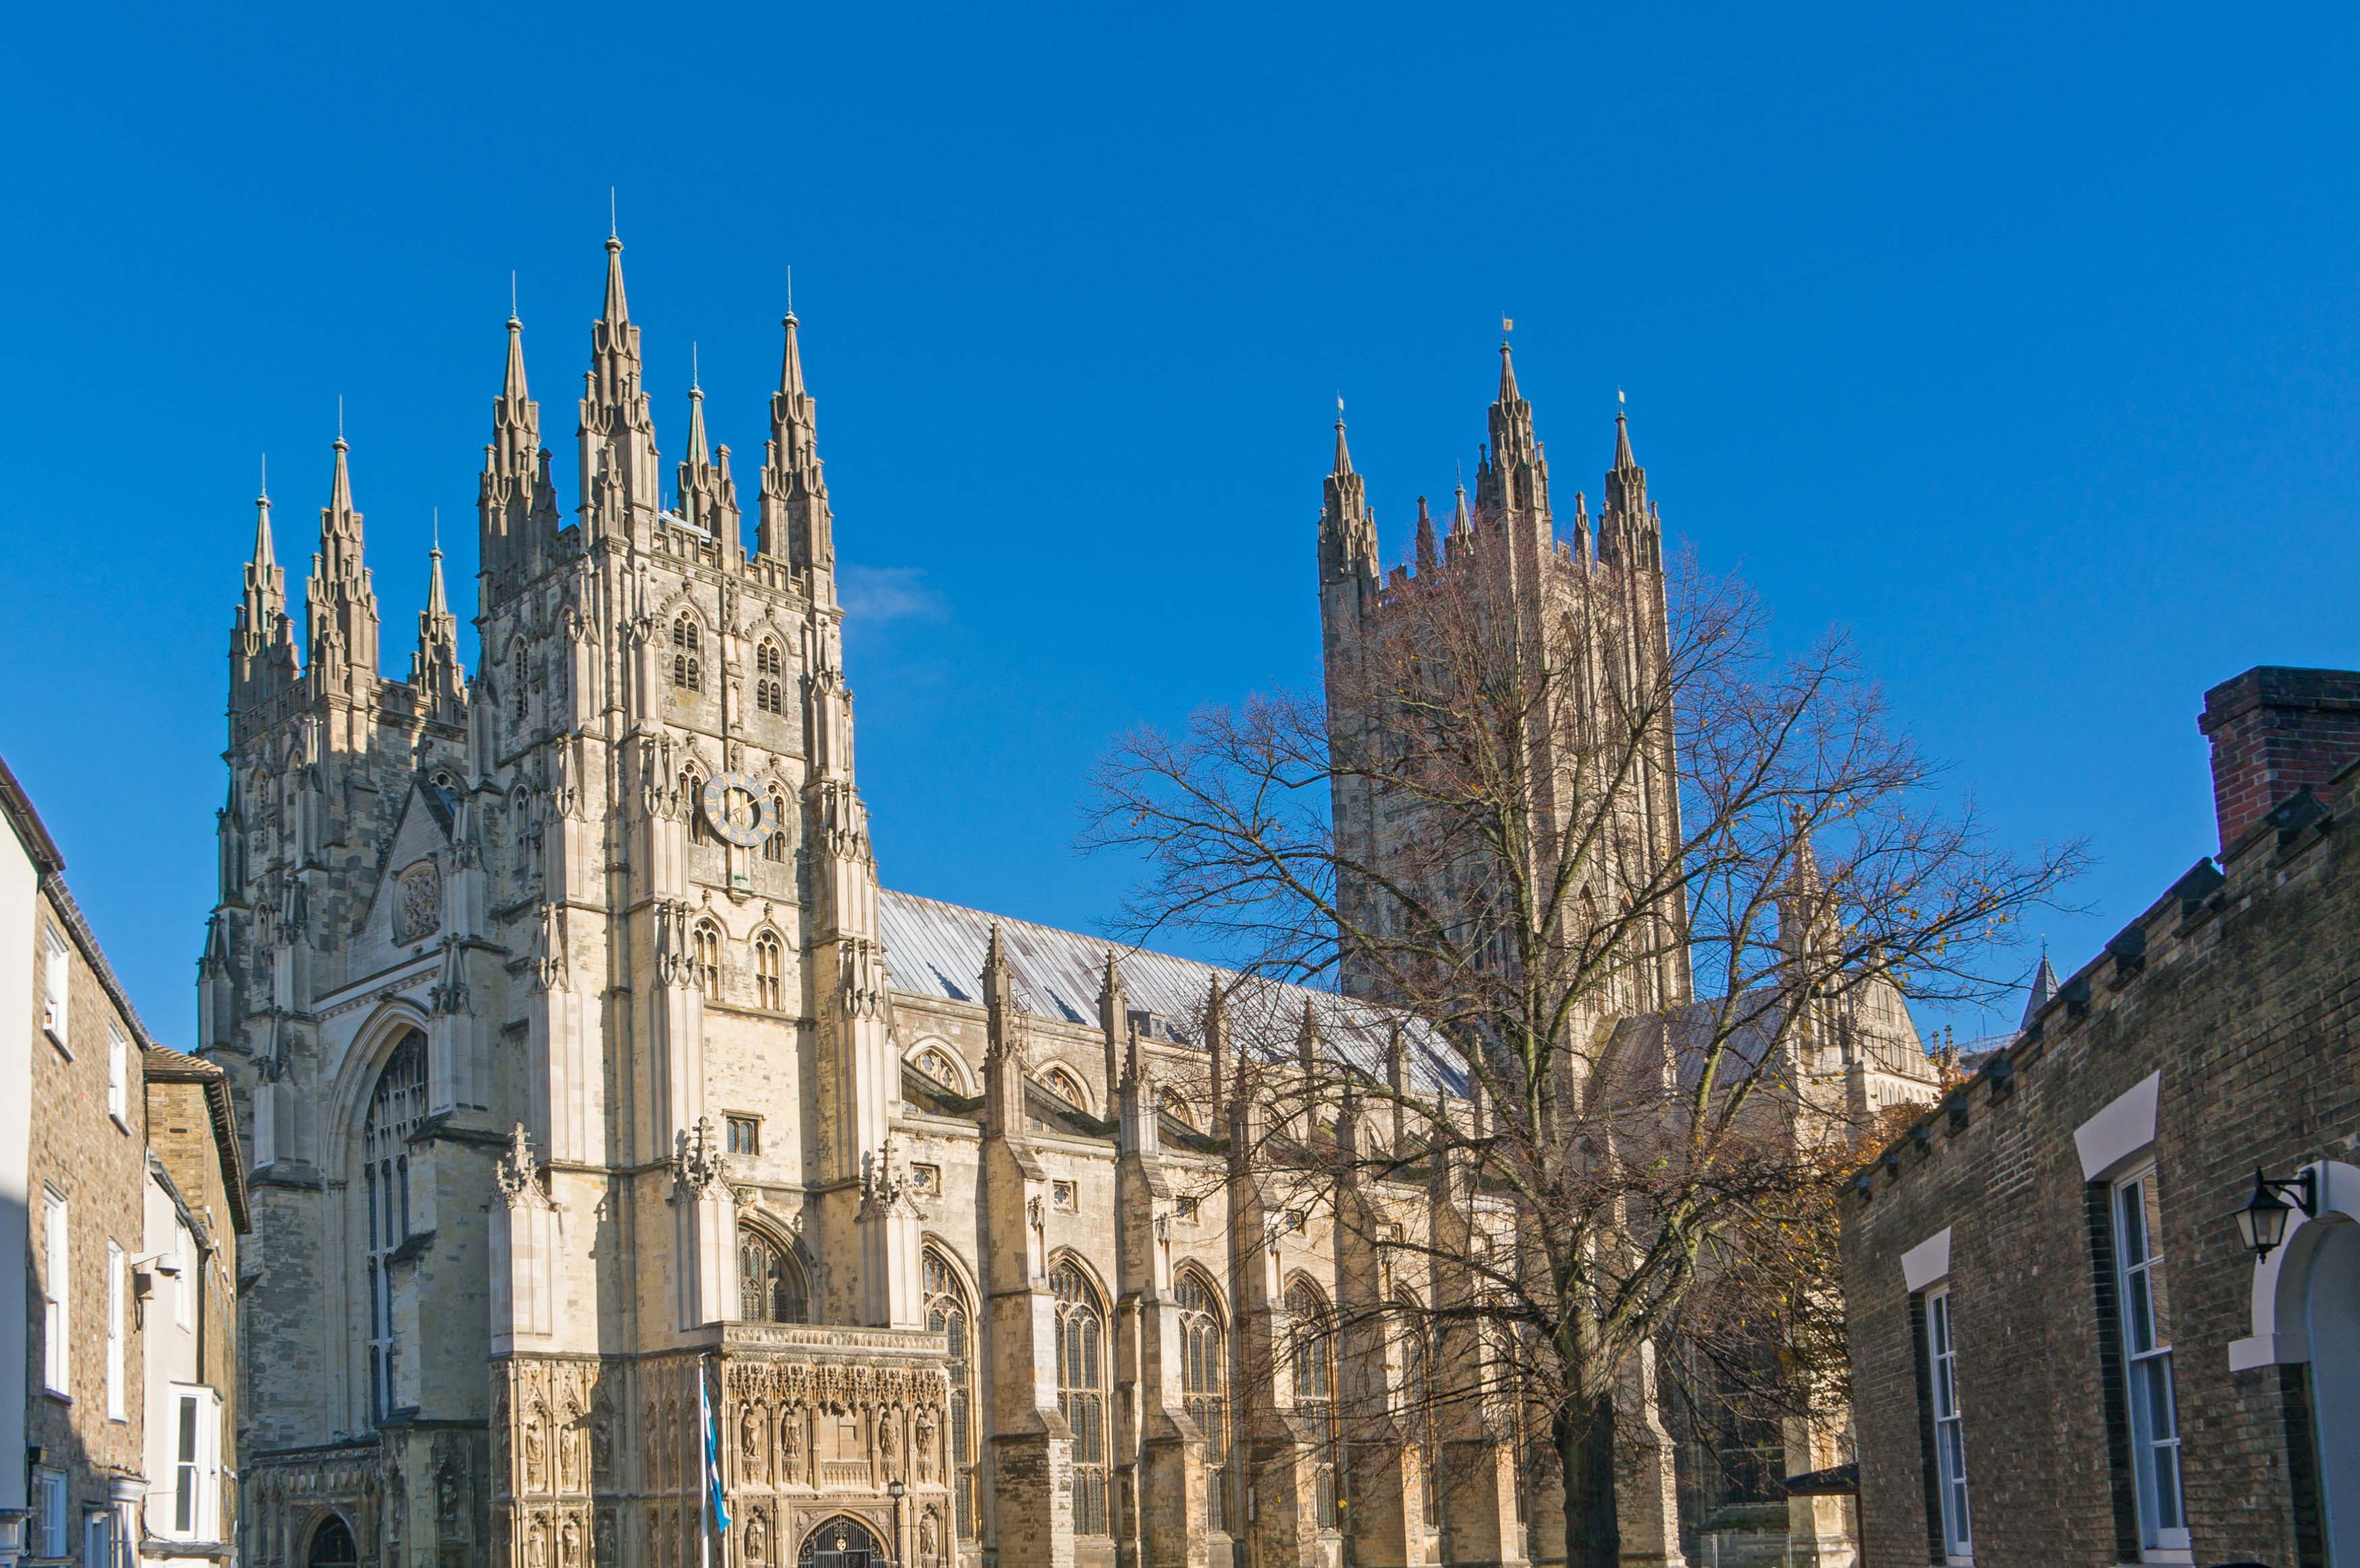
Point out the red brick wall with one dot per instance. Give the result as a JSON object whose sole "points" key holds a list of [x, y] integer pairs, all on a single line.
{"points": [[2274, 732]]}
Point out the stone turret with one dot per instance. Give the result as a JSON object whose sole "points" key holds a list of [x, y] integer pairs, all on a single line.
{"points": [[339, 603], [262, 659], [796, 526]]}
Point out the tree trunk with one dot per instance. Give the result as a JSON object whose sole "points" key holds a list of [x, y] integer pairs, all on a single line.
{"points": [[1583, 1435]]}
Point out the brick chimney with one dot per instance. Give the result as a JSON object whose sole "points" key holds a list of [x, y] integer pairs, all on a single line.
{"points": [[2275, 731]]}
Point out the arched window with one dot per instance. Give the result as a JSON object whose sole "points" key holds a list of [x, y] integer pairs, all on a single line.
{"points": [[1081, 1391], [1066, 1087], [332, 1545], [949, 1315], [1312, 1348], [936, 1063], [769, 1282], [1417, 1405], [770, 972], [687, 653], [774, 844], [692, 794], [770, 677], [395, 1108], [1204, 1386], [519, 671], [704, 958]]}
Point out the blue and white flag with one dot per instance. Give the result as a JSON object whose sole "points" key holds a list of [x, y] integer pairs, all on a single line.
{"points": [[711, 1453]]}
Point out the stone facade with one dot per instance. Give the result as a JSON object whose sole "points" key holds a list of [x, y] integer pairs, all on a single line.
{"points": [[558, 1004], [589, 1073], [1591, 603], [121, 1202], [2082, 1188]]}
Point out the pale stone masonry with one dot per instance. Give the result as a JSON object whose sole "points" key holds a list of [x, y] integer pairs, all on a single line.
{"points": [[2063, 1355], [120, 1207], [584, 1063]]}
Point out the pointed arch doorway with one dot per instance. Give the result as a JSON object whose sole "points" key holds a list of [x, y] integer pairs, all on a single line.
{"points": [[841, 1542]]}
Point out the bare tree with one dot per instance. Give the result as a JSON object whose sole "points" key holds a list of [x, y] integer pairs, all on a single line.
{"points": [[1657, 892]]}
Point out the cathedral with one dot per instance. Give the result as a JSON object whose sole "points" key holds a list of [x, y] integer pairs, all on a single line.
{"points": [[592, 1081]]}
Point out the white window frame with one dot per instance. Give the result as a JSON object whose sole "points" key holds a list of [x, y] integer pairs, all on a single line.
{"points": [[1950, 1431], [49, 1511], [118, 1077], [57, 987], [196, 1466], [2147, 1380], [117, 1408], [56, 1283]]}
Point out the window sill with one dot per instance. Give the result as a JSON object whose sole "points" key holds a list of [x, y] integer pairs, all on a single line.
{"points": [[120, 1125], [56, 1396], [60, 1041]]}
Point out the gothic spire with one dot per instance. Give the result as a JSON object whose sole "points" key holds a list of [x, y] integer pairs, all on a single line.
{"points": [[512, 389], [340, 604], [1514, 475], [265, 558], [1348, 532], [438, 602], [1625, 521], [1427, 553], [796, 525], [516, 506], [619, 438], [708, 496], [434, 667], [262, 642], [618, 309]]}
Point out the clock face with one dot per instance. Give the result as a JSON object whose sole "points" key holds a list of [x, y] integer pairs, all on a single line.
{"points": [[739, 808]]}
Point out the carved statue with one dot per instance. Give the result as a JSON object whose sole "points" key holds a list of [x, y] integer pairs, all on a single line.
{"points": [[536, 1544], [757, 1541], [926, 1443], [926, 1536], [602, 1443], [750, 1431], [536, 1452], [568, 1452], [569, 1544], [790, 1443]]}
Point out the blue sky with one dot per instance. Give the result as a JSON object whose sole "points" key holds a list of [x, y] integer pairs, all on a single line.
{"points": [[2019, 340]]}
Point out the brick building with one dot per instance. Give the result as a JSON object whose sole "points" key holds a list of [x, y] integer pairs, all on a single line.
{"points": [[120, 1203], [2063, 1352]]}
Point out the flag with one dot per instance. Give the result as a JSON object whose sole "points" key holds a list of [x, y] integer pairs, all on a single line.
{"points": [[711, 1453]]}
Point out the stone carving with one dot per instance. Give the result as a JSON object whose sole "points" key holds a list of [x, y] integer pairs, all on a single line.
{"points": [[924, 1441], [698, 1164], [416, 902], [749, 1432], [569, 1451], [519, 1173], [536, 1450], [885, 1182], [602, 1442], [569, 1544]]}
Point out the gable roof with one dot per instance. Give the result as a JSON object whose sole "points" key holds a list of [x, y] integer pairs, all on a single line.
{"points": [[935, 949]]}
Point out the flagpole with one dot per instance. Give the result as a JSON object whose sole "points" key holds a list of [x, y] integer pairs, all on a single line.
{"points": [[705, 1436]]}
